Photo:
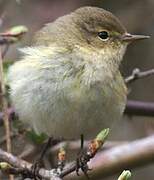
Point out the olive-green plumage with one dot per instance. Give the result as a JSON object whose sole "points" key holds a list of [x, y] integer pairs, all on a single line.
{"points": [[68, 82]]}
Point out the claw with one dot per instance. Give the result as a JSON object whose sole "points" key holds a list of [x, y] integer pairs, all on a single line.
{"points": [[82, 159], [33, 173], [81, 162], [38, 164], [35, 170]]}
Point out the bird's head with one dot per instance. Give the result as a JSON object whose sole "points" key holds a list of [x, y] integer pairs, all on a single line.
{"points": [[101, 30], [90, 28]]}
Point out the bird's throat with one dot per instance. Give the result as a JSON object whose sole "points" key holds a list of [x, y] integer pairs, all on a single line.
{"points": [[99, 66]]}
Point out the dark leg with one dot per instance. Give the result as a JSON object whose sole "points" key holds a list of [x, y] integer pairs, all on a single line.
{"points": [[38, 163], [46, 147], [81, 161], [79, 154]]}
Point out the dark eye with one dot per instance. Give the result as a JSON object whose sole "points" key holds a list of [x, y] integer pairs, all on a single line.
{"points": [[103, 35]]}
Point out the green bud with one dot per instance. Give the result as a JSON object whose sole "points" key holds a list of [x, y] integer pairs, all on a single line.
{"points": [[125, 175], [4, 165], [17, 30], [102, 135]]}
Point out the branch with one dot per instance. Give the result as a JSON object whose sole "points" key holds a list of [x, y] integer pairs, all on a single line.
{"points": [[139, 108], [105, 163], [137, 74], [16, 165], [12, 35], [127, 156]]}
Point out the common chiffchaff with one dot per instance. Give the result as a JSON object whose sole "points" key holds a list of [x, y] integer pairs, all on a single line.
{"points": [[68, 82]]}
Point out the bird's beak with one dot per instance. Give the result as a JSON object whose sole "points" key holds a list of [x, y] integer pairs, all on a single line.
{"points": [[130, 38]]}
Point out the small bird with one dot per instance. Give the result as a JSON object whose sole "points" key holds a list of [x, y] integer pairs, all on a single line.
{"points": [[68, 82]]}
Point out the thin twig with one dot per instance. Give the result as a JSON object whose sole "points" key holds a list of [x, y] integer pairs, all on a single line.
{"points": [[3, 139], [137, 74], [12, 35], [6, 48], [5, 108], [7, 40], [10, 112]]}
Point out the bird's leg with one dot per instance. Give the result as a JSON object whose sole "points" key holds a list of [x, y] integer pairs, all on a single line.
{"points": [[82, 159], [46, 147], [38, 163]]}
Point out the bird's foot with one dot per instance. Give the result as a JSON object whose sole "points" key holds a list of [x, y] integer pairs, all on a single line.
{"points": [[35, 170], [81, 163], [33, 173], [82, 160]]}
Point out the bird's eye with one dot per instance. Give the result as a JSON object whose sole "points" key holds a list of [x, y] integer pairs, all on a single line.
{"points": [[103, 35]]}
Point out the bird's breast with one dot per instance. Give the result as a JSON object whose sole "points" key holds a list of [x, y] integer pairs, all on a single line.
{"points": [[65, 102]]}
